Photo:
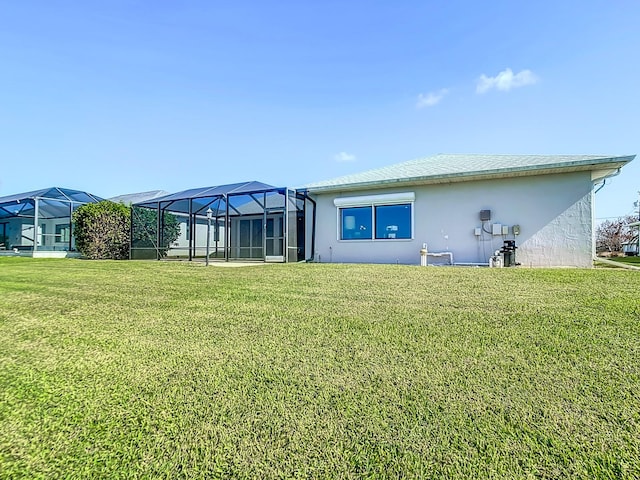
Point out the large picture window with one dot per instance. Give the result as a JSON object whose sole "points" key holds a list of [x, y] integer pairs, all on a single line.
{"points": [[376, 217]]}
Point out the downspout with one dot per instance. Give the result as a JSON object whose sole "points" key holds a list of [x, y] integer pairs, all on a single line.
{"points": [[313, 225], [604, 181], [313, 228], [593, 211]]}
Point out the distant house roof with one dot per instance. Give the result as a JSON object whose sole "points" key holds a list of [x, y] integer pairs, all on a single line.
{"points": [[455, 168], [131, 198]]}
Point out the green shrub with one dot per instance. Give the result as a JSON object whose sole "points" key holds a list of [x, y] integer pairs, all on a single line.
{"points": [[102, 230]]}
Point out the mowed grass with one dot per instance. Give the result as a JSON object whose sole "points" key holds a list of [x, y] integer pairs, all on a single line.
{"points": [[174, 370], [631, 260]]}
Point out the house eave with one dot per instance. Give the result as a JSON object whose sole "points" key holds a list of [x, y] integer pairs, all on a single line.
{"points": [[600, 169]]}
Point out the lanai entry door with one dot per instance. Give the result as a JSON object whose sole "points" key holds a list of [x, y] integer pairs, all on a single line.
{"points": [[274, 236], [258, 237]]}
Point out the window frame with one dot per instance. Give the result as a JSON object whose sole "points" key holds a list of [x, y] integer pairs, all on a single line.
{"points": [[371, 226], [376, 225], [373, 201]]}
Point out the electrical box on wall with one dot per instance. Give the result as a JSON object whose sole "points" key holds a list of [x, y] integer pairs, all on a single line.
{"points": [[516, 229], [505, 229], [477, 232], [497, 229], [485, 215]]}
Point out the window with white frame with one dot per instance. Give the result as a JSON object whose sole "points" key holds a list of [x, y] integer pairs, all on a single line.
{"points": [[356, 223], [376, 217]]}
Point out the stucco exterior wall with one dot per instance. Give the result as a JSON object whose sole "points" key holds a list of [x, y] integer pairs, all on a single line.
{"points": [[554, 213]]}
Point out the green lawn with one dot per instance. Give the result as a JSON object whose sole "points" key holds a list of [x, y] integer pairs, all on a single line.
{"points": [[631, 260], [174, 370]]}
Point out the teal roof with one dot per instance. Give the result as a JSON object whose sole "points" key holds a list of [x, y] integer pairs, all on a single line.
{"points": [[449, 168]]}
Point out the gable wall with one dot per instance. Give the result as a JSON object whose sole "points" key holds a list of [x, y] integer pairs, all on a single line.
{"points": [[554, 213]]}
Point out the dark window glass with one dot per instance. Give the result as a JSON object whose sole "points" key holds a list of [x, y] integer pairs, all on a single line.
{"points": [[63, 232], [217, 226], [256, 234], [4, 239], [355, 223], [245, 233], [393, 221]]}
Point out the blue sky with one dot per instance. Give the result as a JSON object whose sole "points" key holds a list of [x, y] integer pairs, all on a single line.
{"points": [[126, 96]]}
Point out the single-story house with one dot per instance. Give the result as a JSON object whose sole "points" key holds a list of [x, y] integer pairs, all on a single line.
{"points": [[39, 223], [532, 210], [633, 247], [462, 209]]}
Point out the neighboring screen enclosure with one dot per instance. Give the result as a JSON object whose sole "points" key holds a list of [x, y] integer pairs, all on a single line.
{"points": [[245, 221], [40, 220]]}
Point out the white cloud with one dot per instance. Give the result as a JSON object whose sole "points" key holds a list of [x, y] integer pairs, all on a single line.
{"points": [[431, 98], [344, 157], [506, 80]]}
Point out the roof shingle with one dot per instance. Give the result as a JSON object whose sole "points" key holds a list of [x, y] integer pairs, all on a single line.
{"points": [[457, 167]]}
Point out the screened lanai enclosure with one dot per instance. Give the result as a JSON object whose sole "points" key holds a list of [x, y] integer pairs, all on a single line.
{"points": [[241, 221], [38, 223]]}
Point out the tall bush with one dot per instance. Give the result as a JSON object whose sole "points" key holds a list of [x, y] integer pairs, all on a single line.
{"points": [[102, 230]]}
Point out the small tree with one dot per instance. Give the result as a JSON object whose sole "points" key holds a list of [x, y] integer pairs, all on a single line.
{"points": [[612, 234], [102, 230], [145, 232]]}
